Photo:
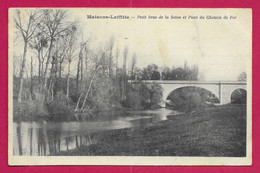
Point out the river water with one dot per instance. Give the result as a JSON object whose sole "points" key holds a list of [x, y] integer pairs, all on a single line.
{"points": [[47, 138]]}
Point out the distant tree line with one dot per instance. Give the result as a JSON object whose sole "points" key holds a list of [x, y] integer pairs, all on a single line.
{"points": [[153, 72]]}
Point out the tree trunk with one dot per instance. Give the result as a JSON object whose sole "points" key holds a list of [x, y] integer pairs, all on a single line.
{"points": [[68, 81], [123, 93], [31, 79], [110, 64], [78, 102], [47, 64], [31, 136], [55, 87], [122, 89], [84, 102], [42, 62], [51, 73], [18, 131], [39, 70], [60, 69], [81, 71], [77, 81], [22, 73]]}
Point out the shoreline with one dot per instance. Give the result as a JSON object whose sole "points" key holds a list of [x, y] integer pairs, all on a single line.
{"points": [[211, 131], [71, 115]]}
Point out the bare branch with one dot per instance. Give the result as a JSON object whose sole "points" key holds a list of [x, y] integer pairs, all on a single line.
{"points": [[19, 27]]}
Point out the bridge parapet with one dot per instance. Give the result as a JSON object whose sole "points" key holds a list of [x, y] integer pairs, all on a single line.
{"points": [[190, 82]]}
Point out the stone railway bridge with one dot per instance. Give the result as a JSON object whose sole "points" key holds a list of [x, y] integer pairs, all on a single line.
{"points": [[221, 89]]}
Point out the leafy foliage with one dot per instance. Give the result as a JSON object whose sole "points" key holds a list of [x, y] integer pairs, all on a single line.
{"points": [[239, 96], [143, 96], [180, 73], [190, 98], [30, 110], [242, 77]]}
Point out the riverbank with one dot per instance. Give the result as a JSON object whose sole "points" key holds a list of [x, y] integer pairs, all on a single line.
{"points": [[38, 111], [211, 131]]}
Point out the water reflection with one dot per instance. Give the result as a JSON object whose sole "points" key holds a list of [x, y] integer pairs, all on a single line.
{"points": [[48, 138], [41, 141]]}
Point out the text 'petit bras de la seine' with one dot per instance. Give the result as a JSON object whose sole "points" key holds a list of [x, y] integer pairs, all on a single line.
{"points": [[184, 17], [189, 17]]}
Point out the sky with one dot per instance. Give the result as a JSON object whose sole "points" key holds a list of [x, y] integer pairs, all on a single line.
{"points": [[221, 48]]}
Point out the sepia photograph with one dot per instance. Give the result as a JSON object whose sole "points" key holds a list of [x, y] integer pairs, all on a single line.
{"points": [[118, 86]]}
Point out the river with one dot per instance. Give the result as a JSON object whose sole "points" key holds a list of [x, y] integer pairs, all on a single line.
{"points": [[48, 138]]}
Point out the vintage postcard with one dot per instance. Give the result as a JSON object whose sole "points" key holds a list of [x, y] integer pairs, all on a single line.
{"points": [[126, 86]]}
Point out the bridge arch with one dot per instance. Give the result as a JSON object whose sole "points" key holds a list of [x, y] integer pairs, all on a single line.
{"points": [[227, 90], [204, 93], [239, 95], [169, 88]]}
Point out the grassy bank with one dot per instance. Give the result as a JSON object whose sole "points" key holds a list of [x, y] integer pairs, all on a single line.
{"points": [[212, 131]]}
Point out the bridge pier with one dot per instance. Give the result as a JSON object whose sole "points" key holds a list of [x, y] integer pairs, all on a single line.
{"points": [[220, 93]]}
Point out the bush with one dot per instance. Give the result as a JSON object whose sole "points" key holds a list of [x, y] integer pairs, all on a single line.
{"points": [[102, 92], [29, 110], [238, 96], [187, 99], [143, 96], [133, 100], [59, 111]]}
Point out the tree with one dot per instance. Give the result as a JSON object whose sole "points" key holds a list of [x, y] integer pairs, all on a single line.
{"points": [[151, 72], [133, 67], [178, 73], [79, 77], [26, 24], [155, 94], [98, 62], [61, 53], [142, 95], [71, 48], [166, 73], [111, 45], [31, 89], [117, 55], [39, 43], [55, 25], [123, 80], [185, 73], [195, 72], [156, 75], [242, 77]]}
